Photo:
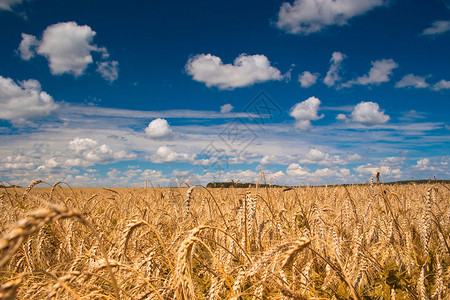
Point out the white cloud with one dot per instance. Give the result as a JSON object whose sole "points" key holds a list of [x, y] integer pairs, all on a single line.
{"points": [[330, 173], [341, 117], [8, 4], [50, 164], [305, 112], [439, 166], [354, 157], [424, 164], [436, 165], [370, 170], [17, 162], [80, 145], [67, 47], [411, 80], [297, 170], [24, 100], [123, 155], [380, 72], [437, 27], [87, 152], [245, 71], [392, 161], [369, 114], [226, 108], [108, 70], [333, 73], [271, 159], [441, 85], [307, 79], [315, 156], [165, 154], [309, 16], [159, 129], [151, 174], [28, 46]]}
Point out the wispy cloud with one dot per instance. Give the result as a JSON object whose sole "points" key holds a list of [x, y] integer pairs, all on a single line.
{"points": [[380, 72], [76, 110], [437, 28], [71, 150], [410, 80], [441, 85], [333, 73], [310, 16], [9, 4]]}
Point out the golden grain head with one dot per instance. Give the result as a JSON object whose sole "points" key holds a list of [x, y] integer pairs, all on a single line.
{"points": [[358, 241]]}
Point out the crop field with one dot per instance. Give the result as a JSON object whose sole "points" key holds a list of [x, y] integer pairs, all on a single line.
{"points": [[372, 241]]}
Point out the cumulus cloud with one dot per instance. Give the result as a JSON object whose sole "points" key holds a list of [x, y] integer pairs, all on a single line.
{"points": [[307, 79], [441, 85], [380, 72], [411, 80], [109, 70], [245, 71], [165, 154], [87, 152], [330, 173], [68, 46], [226, 108], [423, 164], [354, 157], [297, 170], [426, 164], [24, 100], [309, 16], [370, 170], [333, 73], [341, 117], [49, 165], [316, 156], [147, 173], [81, 145], [272, 159], [17, 162], [436, 28], [369, 114], [305, 112], [392, 161], [159, 129]]}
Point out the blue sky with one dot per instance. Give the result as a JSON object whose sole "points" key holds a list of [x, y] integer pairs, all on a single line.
{"points": [[108, 93]]}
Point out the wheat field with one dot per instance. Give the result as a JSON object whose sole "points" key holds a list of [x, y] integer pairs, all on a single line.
{"points": [[372, 241]]}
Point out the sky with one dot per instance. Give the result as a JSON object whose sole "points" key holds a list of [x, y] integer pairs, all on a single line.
{"points": [[115, 93]]}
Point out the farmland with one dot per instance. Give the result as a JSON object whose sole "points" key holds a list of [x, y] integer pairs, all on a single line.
{"points": [[370, 241]]}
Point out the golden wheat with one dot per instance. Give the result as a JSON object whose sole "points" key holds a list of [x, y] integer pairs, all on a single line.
{"points": [[373, 241]]}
